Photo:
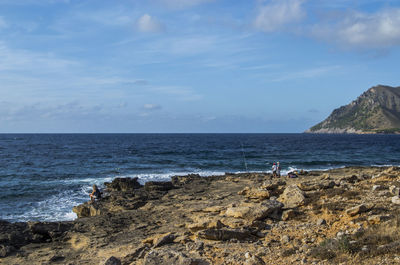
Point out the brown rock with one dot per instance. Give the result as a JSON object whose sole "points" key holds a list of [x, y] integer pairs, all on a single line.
{"points": [[394, 190], [255, 193], [163, 240], [357, 210], [292, 197], [255, 211], [123, 184], [204, 222], [396, 199], [288, 214], [87, 210]]}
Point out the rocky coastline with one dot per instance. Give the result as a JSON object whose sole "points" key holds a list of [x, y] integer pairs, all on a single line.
{"points": [[346, 215]]}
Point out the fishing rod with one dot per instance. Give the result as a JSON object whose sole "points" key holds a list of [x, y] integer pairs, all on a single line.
{"points": [[244, 156]]}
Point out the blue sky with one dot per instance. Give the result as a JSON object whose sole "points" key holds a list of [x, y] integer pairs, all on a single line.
{"points": [[190, 65]]}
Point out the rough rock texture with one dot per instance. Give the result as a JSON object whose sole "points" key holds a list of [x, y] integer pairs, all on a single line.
{"points": [[123, 184], [292, 197], [255, 211], [215, 220]]}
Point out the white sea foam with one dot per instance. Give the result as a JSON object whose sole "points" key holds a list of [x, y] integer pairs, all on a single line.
{"points": [[143, 177], [57, 207], [386, 165], [92, 181]]}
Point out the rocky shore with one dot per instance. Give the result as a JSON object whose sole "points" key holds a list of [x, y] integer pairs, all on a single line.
{"points": [[347, 215]]}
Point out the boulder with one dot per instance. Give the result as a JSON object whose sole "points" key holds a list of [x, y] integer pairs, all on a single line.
{"points": [[255, 211], [269, 185], [292, 197], [394, 190], [255, 193], [123, 184], [396, 199], [357, 209], [87, 210], [82, 210]]}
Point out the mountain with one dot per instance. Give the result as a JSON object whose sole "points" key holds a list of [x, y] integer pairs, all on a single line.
{"points": [[377, 110]]}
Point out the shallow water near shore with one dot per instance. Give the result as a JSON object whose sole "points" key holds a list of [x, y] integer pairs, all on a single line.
{"points": [[42, 176]]}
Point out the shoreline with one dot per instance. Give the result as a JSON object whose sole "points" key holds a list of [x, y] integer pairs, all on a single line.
{"points": [[236, 218]]}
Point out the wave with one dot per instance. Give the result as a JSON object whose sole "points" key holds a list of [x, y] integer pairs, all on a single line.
{"points": [[57, 207], [145, 177]]}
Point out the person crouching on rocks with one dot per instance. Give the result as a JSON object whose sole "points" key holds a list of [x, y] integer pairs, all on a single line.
{"points": [[96, 193]]}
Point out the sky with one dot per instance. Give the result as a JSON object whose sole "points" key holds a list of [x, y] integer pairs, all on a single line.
{"points": [[190, 66]]}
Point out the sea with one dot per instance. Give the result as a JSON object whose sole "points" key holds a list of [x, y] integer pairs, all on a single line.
{"points": [[42, 176]]}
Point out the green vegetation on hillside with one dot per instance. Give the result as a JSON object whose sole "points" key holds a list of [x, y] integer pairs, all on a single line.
{"points": [[376, 111]]}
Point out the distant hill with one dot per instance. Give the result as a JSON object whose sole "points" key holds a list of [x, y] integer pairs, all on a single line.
{"points": [[376, 111]]}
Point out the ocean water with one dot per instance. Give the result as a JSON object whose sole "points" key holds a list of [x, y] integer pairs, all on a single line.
{"points": [[42, 176]]}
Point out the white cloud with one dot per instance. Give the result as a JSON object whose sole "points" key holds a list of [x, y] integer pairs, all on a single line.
{"points": [[147, 23], [184, 3], [45, 111], [151, 107], [279, 13], [361, 30], [305, 73], [20, 60]]}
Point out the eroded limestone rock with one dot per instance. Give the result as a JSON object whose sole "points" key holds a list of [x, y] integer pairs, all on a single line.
{"points": [[123, 184], [358, 209], [255, 211], [255, 193], [292, 197]]}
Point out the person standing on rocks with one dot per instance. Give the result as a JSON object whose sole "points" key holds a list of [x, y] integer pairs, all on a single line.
{"points": [[274, 168], [96, 193], [278, 169]]}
